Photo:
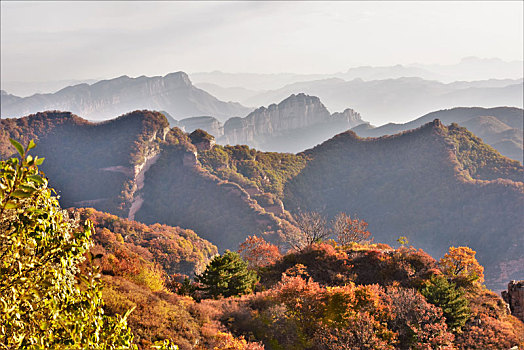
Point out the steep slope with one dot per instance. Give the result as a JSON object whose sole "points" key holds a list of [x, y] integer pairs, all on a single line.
{"points": [[136, 167], [439, 186], [296, 123], [179, 191], [173, 93], [500, 127], [91, 164]]}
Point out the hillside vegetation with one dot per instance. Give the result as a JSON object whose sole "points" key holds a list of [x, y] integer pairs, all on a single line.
{"points": [[439, 186], [322, 295], [500, 127]]}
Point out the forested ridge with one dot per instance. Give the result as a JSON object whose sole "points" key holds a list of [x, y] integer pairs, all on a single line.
{"points": [[437, 185], [159, 287], [87, 279]]}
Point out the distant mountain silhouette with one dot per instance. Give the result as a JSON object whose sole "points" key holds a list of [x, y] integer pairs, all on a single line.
{"points": [[468, 69], [401, 99], [173, 93], [293, 125]]}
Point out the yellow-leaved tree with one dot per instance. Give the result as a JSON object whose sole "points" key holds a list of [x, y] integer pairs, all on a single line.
{"points": [[460, 266]]}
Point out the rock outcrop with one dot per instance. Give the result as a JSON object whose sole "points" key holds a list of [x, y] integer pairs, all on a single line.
{"points": [[298, 116], [514, 296], [202, 140]]}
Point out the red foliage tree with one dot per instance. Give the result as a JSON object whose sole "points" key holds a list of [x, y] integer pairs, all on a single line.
{"points": [[258, 252], [349, 230]]}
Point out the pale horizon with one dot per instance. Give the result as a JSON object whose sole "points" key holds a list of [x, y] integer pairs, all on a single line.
{"points": [[53, 41]]}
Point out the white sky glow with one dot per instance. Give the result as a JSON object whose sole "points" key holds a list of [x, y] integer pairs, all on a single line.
{"points": [[79, 40]]}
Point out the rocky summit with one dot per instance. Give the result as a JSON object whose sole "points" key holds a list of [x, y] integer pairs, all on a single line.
{"points": [[284, 126], [173, 93]]}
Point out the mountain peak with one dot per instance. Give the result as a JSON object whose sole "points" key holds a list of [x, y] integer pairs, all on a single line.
{"points": [[301, 97], [173, 93], [180, 77]]}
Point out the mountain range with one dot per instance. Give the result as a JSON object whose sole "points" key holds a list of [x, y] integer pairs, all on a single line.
{"points": [[293, 125], [173, 93], [468, 69], [500, 127], [299, 121], [437, 185], [399, 99]]}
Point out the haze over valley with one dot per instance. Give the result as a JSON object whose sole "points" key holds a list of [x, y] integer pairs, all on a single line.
{"points": [[262, 175]]}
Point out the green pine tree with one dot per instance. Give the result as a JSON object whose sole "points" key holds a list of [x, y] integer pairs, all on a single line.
{"points": [[227, 275], [439, 292]]}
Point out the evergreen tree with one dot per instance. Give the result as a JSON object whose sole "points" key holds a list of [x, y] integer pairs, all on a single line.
{"points": [[439, 292], [227, 275]]}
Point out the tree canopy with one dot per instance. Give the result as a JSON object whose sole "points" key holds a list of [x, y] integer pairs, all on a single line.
{"points": [[227, 275], [46, 303]]}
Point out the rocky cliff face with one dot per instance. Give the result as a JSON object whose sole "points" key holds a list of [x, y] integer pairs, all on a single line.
{"points": [[173, 93], [295, 113], [514, 296]]}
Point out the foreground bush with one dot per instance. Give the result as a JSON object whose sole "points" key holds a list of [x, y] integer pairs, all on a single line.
{"points": [[45, 302]]}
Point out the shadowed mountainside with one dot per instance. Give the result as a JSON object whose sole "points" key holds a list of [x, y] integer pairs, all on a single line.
{"points": [[437, 185], [134, 166]]}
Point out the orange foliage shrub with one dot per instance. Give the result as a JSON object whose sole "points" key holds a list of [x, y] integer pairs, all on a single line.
{"points": [[257, 252], [226, 341]]}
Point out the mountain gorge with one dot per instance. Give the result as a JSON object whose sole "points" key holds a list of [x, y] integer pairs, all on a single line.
{"points": [[173, 93]]}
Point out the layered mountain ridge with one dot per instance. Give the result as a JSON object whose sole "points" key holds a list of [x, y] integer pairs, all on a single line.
{"points": [[173, 93], [501, 127], [437, 185], [398, 99], [293, 125]]}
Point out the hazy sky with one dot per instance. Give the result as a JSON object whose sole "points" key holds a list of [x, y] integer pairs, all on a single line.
{"points": [[78, 40]]}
